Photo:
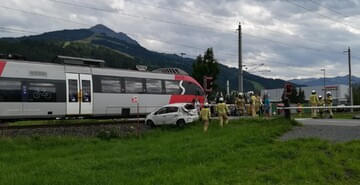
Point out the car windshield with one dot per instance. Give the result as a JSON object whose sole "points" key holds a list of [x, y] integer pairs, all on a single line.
{"points": [[189, 106]]}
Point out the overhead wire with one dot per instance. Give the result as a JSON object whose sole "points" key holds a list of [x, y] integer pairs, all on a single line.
{"points": [[43, 15], [321, 15], [190, 25], [330, 9], [168, 22]]}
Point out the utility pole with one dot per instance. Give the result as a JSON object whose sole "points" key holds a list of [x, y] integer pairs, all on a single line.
{"points": [[324, 85], [350, 82], [240, 72]]}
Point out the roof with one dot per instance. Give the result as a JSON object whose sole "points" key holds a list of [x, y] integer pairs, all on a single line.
{"points": [[79, 61]]}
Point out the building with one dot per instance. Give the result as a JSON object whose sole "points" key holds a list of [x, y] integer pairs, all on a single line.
{"points": [[339, 93]]}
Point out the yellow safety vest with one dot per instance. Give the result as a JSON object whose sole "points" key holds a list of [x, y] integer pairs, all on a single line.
{"points": [[329, 100], [221, 108], [253, 100], [314, 100], [205, 114]]}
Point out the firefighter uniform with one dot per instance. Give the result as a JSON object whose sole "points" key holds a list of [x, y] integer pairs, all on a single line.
{"points": [[329, 102], [314, 101], [321, 104], [205, 116], [252, 105], [222, 110], [257, 105]]}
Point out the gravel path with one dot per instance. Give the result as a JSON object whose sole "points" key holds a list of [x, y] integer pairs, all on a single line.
{"points": [[333, 130]]}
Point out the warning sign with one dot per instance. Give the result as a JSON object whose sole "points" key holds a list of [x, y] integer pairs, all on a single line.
{"points": [[134, 99]]}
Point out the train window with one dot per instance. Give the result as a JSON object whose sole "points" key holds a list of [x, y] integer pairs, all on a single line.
{"points": [[10, 91], [73, 90], [192, 89], [41, 92], [86, 90], [153, 86], [134, 85], [172, 87], [111, 85]]}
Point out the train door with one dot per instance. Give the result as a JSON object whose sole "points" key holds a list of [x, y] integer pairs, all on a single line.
{"points": [[79, 94]]}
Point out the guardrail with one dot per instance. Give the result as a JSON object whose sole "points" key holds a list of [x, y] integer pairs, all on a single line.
{"points": [[320, 107]]}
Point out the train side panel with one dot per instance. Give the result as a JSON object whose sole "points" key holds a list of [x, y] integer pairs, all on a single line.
{"points": [[31, 90]]}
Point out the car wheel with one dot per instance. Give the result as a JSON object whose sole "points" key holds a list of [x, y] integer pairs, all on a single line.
{"points": [[150, 123], [180, 123]]}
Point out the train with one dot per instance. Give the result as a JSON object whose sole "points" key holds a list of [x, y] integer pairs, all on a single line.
{"points": [[83, 87]]}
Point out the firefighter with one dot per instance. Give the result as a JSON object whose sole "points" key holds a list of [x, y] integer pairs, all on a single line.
{"points": [[252, 103], [205, 116], [222, 111], [329, 102], [258, 105], [314, 102], [321, 104], [240, 104]]}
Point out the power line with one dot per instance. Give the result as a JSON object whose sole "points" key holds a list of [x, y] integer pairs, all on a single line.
{"points": [[17, 30], [187, 25], [322, 15], [330, 9], [44, 15], [180, 11], [168, 22], [122, 12]]}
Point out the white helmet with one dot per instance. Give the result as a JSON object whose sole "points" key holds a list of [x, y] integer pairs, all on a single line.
{"points": [[320, 97], [206, 104], [241, 94], [328, 93], [313, 91], [221, 99]]}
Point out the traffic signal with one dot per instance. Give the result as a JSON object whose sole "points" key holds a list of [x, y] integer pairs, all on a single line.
{"points": [[208, 83]]}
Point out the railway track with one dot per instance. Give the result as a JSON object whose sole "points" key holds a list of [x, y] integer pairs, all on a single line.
{"points": [[117, 127]]}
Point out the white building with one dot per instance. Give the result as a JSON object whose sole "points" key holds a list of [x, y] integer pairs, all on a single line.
{"points": [[339, 93]]}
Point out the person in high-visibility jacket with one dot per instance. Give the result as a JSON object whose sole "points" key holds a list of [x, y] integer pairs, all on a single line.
{"points": [[222, 111], [257, 104], [240, 104], [321, 104], [205, 116], [329, 102], [314, 102], [252, 103]]}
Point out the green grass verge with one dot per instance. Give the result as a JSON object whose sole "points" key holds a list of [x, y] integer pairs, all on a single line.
{"points": [[244, 152], [60, 122]]}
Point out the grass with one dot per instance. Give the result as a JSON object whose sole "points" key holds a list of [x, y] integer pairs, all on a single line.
{"points": [[244, 152], [60, 122]]}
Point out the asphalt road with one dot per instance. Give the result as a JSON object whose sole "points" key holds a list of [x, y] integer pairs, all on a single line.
{"points": [[339, 130]]}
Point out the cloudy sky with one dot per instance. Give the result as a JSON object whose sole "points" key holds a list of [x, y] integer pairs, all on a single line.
{"points": [[281, 38]]}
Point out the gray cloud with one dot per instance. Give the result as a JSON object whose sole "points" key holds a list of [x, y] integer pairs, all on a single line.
{"points": [[310, 40]]}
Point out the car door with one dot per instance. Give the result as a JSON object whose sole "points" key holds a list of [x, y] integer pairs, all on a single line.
{"points": [[159, 117], [171, 116]]}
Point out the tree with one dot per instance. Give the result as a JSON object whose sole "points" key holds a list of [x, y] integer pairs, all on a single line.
{"points": [[301, 96], [294, 95], [206, 66]]}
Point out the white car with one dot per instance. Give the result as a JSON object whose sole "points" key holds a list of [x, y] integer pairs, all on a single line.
{"points": [[173, 114]]}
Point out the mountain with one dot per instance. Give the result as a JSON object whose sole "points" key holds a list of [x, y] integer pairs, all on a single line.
{"points": [[328, 81], [119, 51]]}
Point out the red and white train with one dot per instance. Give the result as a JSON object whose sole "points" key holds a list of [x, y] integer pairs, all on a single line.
{"points": [[81, 87]]}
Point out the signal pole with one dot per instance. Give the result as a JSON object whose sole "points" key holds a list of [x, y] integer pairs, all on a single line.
{"points": [[240, 72]]}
